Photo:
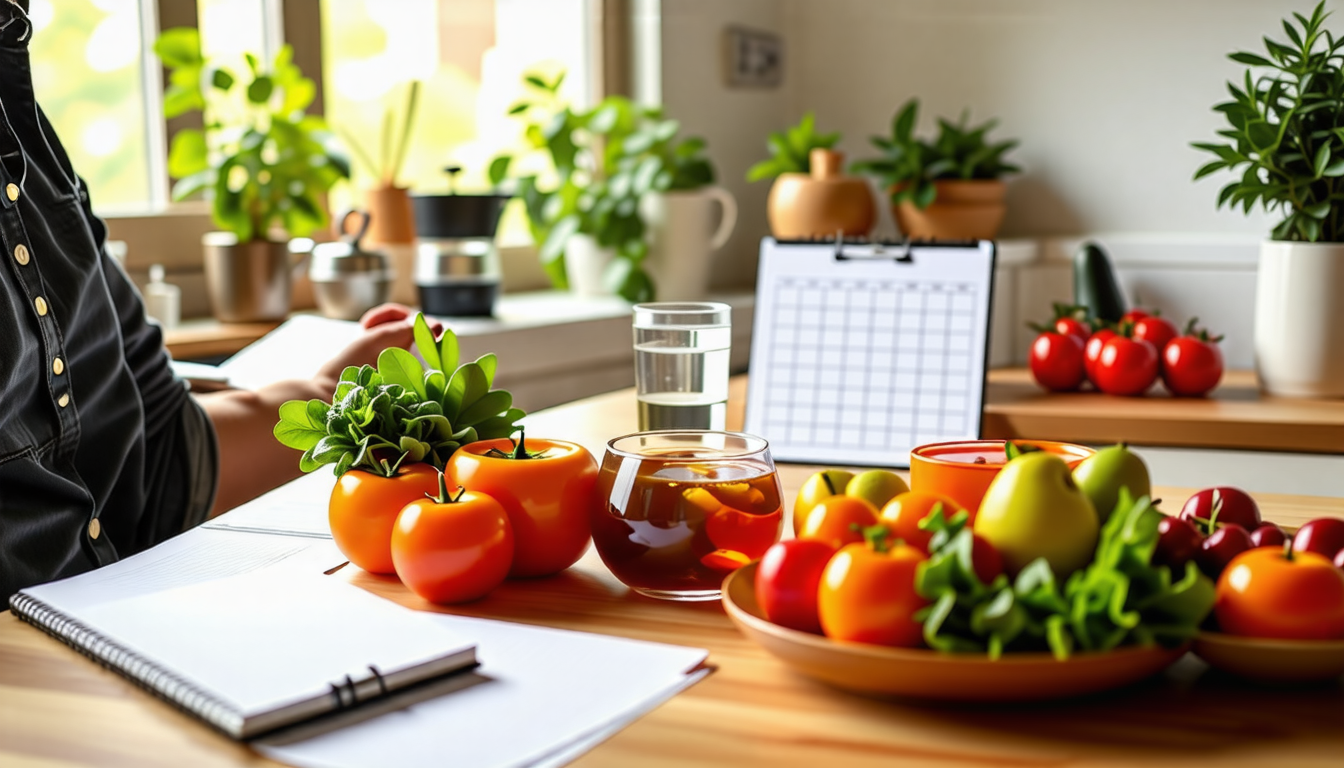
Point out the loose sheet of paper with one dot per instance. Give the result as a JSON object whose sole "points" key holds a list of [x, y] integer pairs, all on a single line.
{"points": [[295, 350], [546, 695], [297, 508]]}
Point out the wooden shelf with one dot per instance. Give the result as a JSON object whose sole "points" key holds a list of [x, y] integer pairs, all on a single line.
{"points": [[1235, 415]]}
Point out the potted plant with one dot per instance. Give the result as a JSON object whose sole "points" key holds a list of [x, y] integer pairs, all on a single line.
{"points": [[262, 163], [591, 233], [1286, 128], [947, 188], [810, 196], [391, 218]]}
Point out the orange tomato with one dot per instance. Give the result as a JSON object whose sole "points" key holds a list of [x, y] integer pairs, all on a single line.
{"points": [[548, 496], [452, 549], [364, 507], [903, 513], [1266, 592], [868, 595], [833, 519]]}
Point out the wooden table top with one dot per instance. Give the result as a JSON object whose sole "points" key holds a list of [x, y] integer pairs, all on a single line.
{"points": [[59, 708], [1235, 415]]}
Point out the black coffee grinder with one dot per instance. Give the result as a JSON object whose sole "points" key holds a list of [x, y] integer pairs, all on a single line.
{"points": [[457, 262]]}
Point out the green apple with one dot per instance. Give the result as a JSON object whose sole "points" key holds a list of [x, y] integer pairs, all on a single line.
{"points": [[1104, 473], [1032, 509], [876, 486], [819, 486]]}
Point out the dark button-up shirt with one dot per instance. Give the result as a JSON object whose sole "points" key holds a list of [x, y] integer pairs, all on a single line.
{"points": [[100, 444]]}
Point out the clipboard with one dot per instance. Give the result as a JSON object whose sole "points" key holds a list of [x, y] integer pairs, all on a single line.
{"points": [[863, 350]]}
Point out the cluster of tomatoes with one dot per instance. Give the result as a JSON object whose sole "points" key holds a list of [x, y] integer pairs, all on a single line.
{"points": [[1269, 584], [1124, 358], [518, 510], [850, 572]]}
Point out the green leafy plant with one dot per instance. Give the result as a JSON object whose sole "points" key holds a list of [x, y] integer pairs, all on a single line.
{"points": [[391, 157], [909, 166], [791, 149], [260, 161], [380, 417], [605, 160], [1287, 130], [1120, 598]]}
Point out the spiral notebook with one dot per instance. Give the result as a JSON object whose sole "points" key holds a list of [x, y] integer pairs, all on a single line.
{"points": [[246, 657], [862, 351]]}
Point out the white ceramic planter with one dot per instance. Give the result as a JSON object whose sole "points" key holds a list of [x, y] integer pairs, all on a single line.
{"points": [[585, 262], [1299, 319], [683, 238]]}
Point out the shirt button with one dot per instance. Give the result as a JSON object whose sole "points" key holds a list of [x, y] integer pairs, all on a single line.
{"points": [[21, 254], [64, 401], [58, 366], [41, 305], [95, 529], [12, 192]]}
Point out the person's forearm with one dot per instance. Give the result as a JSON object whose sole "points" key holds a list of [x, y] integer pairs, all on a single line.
{"points": [[249, 466]]}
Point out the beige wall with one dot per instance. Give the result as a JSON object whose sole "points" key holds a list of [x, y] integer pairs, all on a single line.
{"points": [[1104, 95]]}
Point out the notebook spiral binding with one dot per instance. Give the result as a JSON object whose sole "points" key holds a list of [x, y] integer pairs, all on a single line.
{"points": [[140, 670]]}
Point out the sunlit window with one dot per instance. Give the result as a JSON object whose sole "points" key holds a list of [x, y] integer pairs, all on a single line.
{"points": [[469, 57], [87, 74]]}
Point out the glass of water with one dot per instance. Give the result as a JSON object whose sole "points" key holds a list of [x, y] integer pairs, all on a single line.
{"points": [[681, 364]]}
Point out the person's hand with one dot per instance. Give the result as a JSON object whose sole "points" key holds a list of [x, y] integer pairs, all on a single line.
{"points": [[387, 325]]}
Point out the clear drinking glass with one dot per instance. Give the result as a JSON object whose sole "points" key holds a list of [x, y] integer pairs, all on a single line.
{"points": [[681, 364], [683, 509]]}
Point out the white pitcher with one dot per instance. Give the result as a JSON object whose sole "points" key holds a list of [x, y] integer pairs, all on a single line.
{"points": [[683, 237]]}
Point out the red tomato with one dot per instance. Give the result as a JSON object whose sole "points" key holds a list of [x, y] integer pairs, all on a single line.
{"points": [[902, 514], [549, 496], [452, 549], [868, 596], [1092, 351], [1133, 316], [787, 581], [1324, 536], [1191, 366], [1057, 361], [1267, 593], [1072, 326], [1268, 535], [1221, 505], [832, 520], [1125, 366], [986, 560], [364, 507], [1155, 330]]}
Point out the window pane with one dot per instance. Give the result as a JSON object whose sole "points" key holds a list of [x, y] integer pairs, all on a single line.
{"points": [[469, 56], [230, 28], [86, 71]]}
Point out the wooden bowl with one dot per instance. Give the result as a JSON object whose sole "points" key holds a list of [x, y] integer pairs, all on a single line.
{"points": [[1271, 660], [925, 674]]}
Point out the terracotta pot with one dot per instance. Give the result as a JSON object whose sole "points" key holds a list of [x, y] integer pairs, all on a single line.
{"points": [[962, 210], [392, 231], [821, 203]]}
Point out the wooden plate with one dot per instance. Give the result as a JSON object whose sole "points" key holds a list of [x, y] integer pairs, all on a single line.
{"points": [[874, 669], [1270, 660]]}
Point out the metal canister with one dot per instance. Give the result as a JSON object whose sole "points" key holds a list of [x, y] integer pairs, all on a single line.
{"points": [[457, 264], [348, 280]]}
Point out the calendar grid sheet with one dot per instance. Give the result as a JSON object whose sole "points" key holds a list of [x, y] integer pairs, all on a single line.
{"points": [[879, 365]]}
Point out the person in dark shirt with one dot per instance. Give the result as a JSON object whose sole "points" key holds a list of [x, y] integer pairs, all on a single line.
{"points": [[103, 451]]}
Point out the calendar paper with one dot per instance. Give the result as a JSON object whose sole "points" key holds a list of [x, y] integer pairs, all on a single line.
{"points": [[860, 355]]}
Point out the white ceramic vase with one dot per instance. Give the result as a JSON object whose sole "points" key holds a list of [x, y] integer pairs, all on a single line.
{"points": [[685, 230], [585, 261], [1299, 319]]}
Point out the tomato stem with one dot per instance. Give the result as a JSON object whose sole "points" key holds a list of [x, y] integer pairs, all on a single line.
{"points": [[519, 449], [878, 536], [1288, 550], [443, 497]]}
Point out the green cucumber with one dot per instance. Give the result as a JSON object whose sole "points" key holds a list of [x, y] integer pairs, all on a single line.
{"points": [[1095, 286]]}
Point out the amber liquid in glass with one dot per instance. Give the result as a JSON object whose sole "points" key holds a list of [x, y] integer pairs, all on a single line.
{"points": [[674, 528]]}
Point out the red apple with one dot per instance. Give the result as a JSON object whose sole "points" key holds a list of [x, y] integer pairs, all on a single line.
{"points": [[1268, 535], [1177, 542], [787, 581], [1324, 536], [1230, 505], [1220, 547]]}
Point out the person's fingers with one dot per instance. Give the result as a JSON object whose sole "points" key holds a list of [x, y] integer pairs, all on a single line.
{"points": [[385, 313]]}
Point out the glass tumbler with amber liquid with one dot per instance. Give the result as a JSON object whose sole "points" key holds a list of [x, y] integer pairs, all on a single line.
{"points": [[683, 509]]}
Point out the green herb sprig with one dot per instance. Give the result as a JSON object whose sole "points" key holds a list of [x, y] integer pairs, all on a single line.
{"points": [[379, 418], [1119, 599]]}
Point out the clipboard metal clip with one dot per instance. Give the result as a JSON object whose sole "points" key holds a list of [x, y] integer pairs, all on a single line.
{"points": [[898, 251]]}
